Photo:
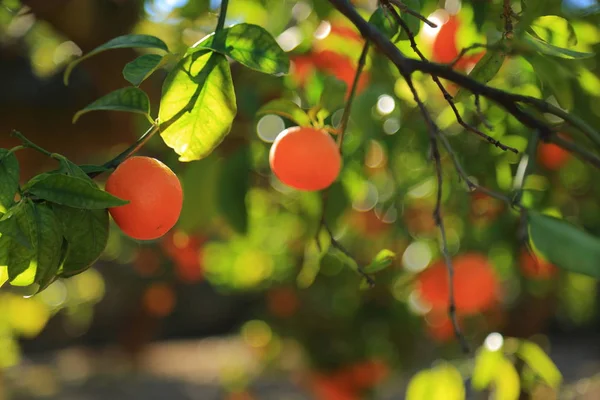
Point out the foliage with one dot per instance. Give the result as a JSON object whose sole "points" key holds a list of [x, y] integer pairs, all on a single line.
{"points": [[227, 96]]}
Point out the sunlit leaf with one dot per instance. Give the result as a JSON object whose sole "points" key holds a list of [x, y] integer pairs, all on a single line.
{"points": [[507, 384], [539, 362], [129, 99], [486, 364], [121, 42], [73, 192], [3, 275], [442, 382], [250, 45], [287, 109], [138, 70], [564, 245], [531, 10], [198, 105], [86, 232], [551, 50], [484, 71], [233, 187], [554, 78], [9, 179], [381, 261]]}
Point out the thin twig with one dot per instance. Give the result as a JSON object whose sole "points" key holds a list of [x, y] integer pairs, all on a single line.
{"points": [[464, 52], [348, 108], [340, 247], [434, 133], [405, 9], [447, 96], [480, 114]]}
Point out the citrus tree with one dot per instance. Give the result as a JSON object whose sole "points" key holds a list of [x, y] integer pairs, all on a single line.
{"points": [[390, 165]]}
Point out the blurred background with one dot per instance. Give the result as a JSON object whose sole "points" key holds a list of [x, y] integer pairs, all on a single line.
{"points": [[235, 302]]}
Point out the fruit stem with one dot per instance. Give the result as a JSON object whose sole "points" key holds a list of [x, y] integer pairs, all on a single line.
{"points": [[222, 15], [346, 115], [130, 150], [28, 143]]}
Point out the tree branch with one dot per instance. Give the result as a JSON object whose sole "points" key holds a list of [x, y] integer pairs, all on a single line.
{"points": [[510, 102]]}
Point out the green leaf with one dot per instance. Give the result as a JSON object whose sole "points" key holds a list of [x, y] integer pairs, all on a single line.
{"points": [[507, 383], [48, 245], [551, 50], [129, 99], [86, 232], [486, 365], [233, 187], [287, 109], [311, 265], [554, 78], [68, 167], [138, 70], [250, 45], [16, 257], [333, 96], [198, 105], [381, 261], [414, 23], [73, 192], [564, 245], [384, 22], [9, 179], [121, 42], [531, 9], [539, 362], [484, 71], [9, 226], [40, 263]]}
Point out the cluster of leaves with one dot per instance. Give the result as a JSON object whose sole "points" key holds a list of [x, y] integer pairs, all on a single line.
{"points": [[55, 225]]}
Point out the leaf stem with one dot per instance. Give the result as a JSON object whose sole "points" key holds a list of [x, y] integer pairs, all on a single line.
{"points": [[29, 144], [222, 15], [347, 109], [113, 163]]}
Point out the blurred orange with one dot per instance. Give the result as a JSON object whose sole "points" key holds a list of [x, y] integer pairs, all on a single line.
{"points": [[445, 48], [484, 207], [367, 374], [475, 284], [329, 388], [282, 302], [147, 261], [552, 156], [368, 223], [159, 299], [186, 253], [439, 326], [534, 267]]}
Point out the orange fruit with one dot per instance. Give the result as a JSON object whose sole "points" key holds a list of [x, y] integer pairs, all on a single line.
{"points": [[552, 156], [305, 158], [534, 267], [475, 284], [154, 194], [186, 252], [282, 302]]}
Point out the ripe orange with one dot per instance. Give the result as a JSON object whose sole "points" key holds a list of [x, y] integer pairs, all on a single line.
{"points": [[536, 268], [305, 158], [186, 252], [552, 156], [475, 284], [154, 194]]}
